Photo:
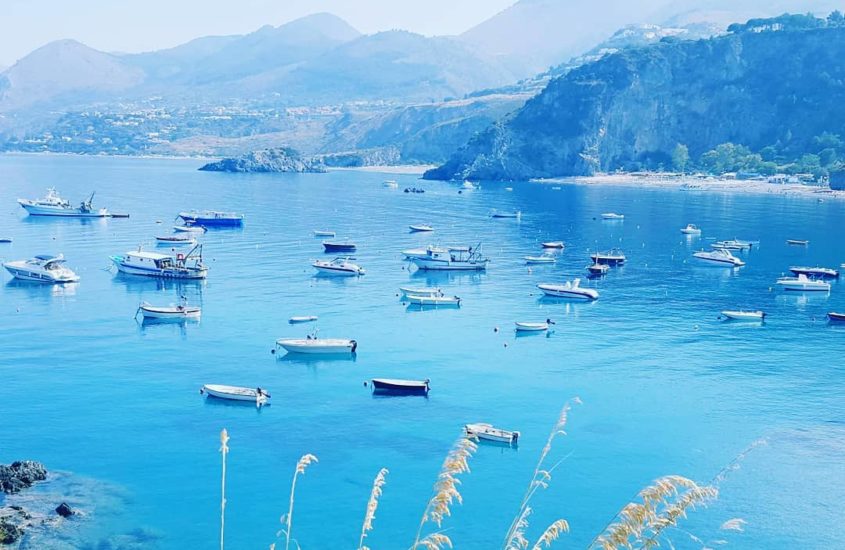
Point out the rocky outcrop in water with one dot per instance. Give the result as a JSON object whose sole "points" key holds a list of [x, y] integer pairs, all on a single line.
{"points": [[776, 84], [281, 159], [20, 475]]}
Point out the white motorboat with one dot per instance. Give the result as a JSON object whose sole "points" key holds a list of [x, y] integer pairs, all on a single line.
{"points": [[815, 271], [185, 239], [391, 184], [45, 268], [598, 269], [318, 346], [341, 267], [612, 216], [543, 259], [54, 205], [398, 386], [302, 319], [512, 214], [570, 289], [691, 229], [433, 300], [489, 433], [420, 228], [719, 256], [178, 312], [741, 315], [190, 228], [522, 326], [614, 256], [803, 283], [420, 291], [553, 244], [323, 233], [236, 393], [152, 264], [453, 259]]}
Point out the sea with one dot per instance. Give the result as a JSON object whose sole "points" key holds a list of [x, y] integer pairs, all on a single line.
{"points": [[659, 384]]}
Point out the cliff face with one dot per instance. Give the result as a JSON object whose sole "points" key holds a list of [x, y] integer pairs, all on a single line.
{"points": [[751, 88], [282, 159]]}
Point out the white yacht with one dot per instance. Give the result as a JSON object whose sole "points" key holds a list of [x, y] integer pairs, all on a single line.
{"points": [[453, 259], [803, 283], [570, 289], [341, 267], [691, 229], [44, 268], [54, 205], [719, 256], [153, 264]]}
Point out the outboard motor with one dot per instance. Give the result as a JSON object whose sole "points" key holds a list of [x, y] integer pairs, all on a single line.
{"points": [[354, 346]]}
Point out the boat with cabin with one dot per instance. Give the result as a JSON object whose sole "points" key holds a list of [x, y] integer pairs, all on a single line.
{"points": [[820, 272], [742, 315], [187, 265], [614, 256], [452, 259], [44, 268], [342, 267], [391, 184], [399, 386], [338, 246], [212, 218], [236, 393], [720, 257], [54, 205], [570, 289], [803, 283], [486, 432], [691, 229]]}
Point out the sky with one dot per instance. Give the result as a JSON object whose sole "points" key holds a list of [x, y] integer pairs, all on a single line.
{"points": [[144, 25]]}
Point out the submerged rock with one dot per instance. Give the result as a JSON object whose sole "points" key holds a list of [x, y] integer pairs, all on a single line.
{"points": [[64, 510], [20, 475], [282, 159]]}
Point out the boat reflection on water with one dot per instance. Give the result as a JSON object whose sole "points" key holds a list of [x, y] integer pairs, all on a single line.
{"points": [[315, 360], [214, 402], [140, 285], [35, 288]]}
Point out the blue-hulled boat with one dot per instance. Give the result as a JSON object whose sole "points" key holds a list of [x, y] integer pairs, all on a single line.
{"points": [[339, 246], [212, 218], [396, 386]]}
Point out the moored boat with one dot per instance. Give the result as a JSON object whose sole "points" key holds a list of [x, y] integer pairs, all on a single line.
{"points": [[815, 271], [420, 228], [302, 319], [453, 259], [837, 317], [44, 268], [468, 185], [391, 184], [731, 244], [153, 264], [511, 214], [741, 315], [212, 218], [399, 386], [543, 259], [487, 432], [720, 256], [803, 283], [178, 312], [190, 228], [323, 233], [570, 289], [433, 300], [553, 244], [236, 393], [54, 205], [691, 229], [337, 246], [339, 266], [797, 242], [5, 240], [420, 291], [614, 256], [177, 238], [612, 216], [318, 346], [522, 326], [598, 269]]}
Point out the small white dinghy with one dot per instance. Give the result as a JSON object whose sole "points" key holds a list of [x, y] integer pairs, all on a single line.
{"points": [[489, 433], [433, 300], [172, 312], [420, 291], [420, 228], [302, 319], [189, 228], [533, 327], [319, 233], [612, 216], [258, 396], [740, 315], [317, 346], [544, 259], [185, 239]]}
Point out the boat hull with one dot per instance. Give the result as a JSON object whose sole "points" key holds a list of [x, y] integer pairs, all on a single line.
{"points": [[36, 276], [422, 300], [799, 287], [234, 221], [532, 327], [579, 293], [190, 274], [744, 315], [152, 312], [337, 271], [58, 211], [315, 347], [234, 394], [329, 247], [406, 387], [426, 264], [837, 317], [718, 262]]}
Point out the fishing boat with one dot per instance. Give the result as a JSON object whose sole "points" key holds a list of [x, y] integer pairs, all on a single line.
{"points": [[803, 283], [522, 326], [391, 184], [837, 317], [339, 266], [317, 346], [720, 257], [212, 218], [323, 233], [691, 229], [421, 228], [337, 246], [54, 205], [45, 268], [177, 238], [178, 312], [152, 264], [453, 259], [433, 300], [397, 386], [612, 216], [420, 291], [512, 214], [236, 393], [553, 244], [797, 242], [815, 271], [189, 228], [598, 269], [489, 433], [570, 289], [741, 315], [613, 256], [544, 259], [302, 319]]}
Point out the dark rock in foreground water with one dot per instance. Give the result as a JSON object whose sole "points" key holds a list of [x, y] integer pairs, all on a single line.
{"points": [[20, 475], [64, 510], [282, 159], [9, 532]]}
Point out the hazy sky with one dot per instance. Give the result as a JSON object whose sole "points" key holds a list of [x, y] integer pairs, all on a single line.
{"points": [[142, 25]]}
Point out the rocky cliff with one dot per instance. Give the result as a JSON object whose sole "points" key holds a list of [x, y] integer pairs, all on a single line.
{"points": [[282, 159], [757, 86]]}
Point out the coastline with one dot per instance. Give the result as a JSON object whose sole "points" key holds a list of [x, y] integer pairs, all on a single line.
{"points": [[400, 169], [690, 183]]}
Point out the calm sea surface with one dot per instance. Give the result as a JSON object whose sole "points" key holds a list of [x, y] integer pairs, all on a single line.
{"points": [[667, 388]]}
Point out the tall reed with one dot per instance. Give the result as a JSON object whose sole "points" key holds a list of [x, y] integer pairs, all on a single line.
{"points": [[287, 519], [224, 450], [372, 505]]}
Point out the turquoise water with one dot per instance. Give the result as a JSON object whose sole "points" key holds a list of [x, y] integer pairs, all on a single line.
{"points": [[666, 387]]}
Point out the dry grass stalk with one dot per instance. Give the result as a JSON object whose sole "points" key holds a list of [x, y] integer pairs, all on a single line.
{"points": [[372, 505], [224, 450], [515, 537], [445, 493], [551, 534], [287, 519]]}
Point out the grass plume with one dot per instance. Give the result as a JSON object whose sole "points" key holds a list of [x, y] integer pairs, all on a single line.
{"points": [[287, 519], [224, 450], [372, 505]]}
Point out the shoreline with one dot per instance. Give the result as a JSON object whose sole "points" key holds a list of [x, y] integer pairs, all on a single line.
{"points": [[690, 183], [400, 169]]}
